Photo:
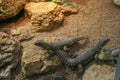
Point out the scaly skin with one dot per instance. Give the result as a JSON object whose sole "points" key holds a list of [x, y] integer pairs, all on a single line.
{"points": [[59, 44], [78, 60], [87, 56]]}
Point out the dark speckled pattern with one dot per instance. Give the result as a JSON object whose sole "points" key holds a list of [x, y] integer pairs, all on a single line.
{"points": [[78, 60], [58, 44]]}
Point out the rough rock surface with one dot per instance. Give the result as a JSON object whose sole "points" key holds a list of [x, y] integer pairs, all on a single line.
{"points": [[101, 22], [99, 72], [117, 2], [21, 37], [39, 60], [9, 55], [10, 8], [46, 15]]}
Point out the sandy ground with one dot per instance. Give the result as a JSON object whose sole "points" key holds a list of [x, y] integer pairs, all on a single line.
{"points": [[102, 20]]}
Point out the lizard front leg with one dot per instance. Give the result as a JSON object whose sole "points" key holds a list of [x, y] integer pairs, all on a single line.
{"points": [[65, 48]]}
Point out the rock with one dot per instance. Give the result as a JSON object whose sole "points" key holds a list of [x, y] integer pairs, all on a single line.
{"points": [[21, 37], [69, 10], [45, 16], [15, 32], [24, 37], [36, 60], [99, 72], [10, 8], [10, 51], [117, 2]]}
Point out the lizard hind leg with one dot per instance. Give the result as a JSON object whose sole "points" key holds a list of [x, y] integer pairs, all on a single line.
{"points": [[78, 69], [51, 53]]}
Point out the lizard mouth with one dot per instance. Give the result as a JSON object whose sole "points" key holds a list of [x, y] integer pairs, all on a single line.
{"points": [[38, 42]]}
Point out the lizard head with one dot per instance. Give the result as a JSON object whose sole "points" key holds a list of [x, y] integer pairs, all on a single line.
{"points": [[103, 41], [42, 44], [39, 43]]}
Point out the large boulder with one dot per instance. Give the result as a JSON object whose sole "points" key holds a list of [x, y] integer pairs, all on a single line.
{"points": [[36, 60], [10, 8], [99, 72], [10, 52], [45, 16]]}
